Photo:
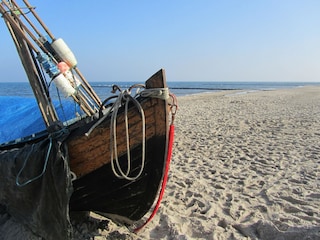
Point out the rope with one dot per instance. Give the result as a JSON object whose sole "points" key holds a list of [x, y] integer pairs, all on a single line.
{"points": [[116, 168], [162, 93], [124, 98], [54, 135], [99, 121], [25, 163]]}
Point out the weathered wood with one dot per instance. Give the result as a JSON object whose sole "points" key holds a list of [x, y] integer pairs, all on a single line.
{"points": [[25, 52], [89, 153], [38, 19], [88, 88], [97, 188], [23, 33]]}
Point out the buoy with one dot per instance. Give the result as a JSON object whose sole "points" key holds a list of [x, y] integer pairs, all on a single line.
{"points": [[64, 52], [64, 68], [63, 84]]}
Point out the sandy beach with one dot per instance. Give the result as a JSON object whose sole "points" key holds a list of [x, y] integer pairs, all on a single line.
{"points": [[245, 166]]}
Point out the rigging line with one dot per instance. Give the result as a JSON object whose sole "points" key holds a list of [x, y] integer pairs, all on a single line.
{"points": [[86, 100], [26, 18], [88, 88], [38, 18], [61, 106], [11, 5], [103, 117], [25, 28], [55, 135], [25, 163], [16, 27], [42, 77], [99, 121]]}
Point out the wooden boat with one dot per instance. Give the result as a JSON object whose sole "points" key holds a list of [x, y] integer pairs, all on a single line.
{"points": [[116, 150], [98, 189]]}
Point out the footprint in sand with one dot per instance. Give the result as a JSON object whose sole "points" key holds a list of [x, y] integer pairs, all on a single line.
{"points": [[198, 206]]}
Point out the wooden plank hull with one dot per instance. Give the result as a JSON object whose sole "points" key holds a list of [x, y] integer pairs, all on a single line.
{"points": [[120, 199], [97, 188]]}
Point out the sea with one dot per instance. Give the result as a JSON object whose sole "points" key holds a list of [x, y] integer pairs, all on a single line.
{"points": [[103, 89], [21, 117]]}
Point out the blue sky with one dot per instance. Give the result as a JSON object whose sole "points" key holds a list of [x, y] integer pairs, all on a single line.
{"points": [[194, 40]]}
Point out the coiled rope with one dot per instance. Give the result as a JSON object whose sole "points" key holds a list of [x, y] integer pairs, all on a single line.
{"points": [[116, 168], [123, 99]]}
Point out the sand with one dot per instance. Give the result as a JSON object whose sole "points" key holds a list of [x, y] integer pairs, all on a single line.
{"points": [[245, 166]]}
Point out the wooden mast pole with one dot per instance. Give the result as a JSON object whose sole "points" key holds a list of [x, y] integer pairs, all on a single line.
{"points": [[24, 40], [32, 71], [26, 50], [16, 20], [87, 87], [38, 19]]}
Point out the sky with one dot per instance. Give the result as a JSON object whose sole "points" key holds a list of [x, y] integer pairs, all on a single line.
{"points": [[193, 40]]}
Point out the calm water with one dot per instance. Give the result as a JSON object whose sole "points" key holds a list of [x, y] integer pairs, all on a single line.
{"points": [[20, 115], [179, 88]]}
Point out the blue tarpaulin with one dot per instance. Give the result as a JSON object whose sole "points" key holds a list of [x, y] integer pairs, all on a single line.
{"points": [[20, 116]]}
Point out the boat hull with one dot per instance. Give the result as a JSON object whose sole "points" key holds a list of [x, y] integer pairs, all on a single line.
{"points": [[98, 189]]}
